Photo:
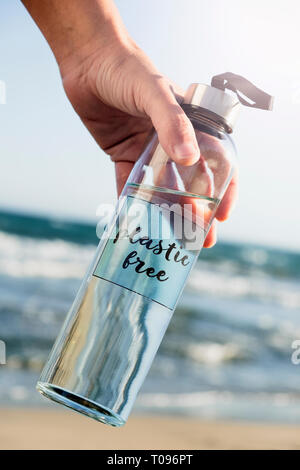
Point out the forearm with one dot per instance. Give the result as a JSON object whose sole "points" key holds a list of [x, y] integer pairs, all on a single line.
{"points": [[73, 26]]}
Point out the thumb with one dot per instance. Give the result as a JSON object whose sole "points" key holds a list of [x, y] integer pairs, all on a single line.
{"points": [[175, 131]]}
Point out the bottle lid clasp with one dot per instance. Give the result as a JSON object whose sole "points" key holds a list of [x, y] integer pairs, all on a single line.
{"points": [[218, 105]]}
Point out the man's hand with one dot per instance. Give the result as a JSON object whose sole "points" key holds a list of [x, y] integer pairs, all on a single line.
{"points": [[115, 89]]}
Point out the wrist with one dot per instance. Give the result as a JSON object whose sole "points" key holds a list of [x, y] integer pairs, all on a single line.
{"points": [[76, 29]]}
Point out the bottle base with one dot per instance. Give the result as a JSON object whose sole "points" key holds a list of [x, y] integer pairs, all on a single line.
{"points": [[80, 404]]}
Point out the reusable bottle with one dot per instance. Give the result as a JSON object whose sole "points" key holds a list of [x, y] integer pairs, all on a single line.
{"points": [[127, 298]]}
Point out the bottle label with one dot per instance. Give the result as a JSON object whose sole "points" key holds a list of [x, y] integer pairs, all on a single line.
{"points": [[143, 253]]}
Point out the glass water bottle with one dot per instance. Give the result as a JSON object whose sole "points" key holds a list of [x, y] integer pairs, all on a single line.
{"points": [[125, 303]]}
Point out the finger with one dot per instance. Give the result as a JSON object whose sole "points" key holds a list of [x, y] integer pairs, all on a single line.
{"points": [[197, 177], [199, 182], [229, 199], [211, 237], [217, 159], [122, 170], [175, 131]]}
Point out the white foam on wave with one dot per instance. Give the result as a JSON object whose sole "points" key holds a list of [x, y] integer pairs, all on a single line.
{"points": [[59, 259], [198, 400], [222, 282], [29, 257], [213, 353], [268, 407]]}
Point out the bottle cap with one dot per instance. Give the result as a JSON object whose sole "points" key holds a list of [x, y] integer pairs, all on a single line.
{"points": [[215, 104]]}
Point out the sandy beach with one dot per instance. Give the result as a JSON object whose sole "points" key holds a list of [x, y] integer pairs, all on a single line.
{"points": [[52, 429]]}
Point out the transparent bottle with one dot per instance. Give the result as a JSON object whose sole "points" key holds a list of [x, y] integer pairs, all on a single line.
{"points": [[127, 298]]}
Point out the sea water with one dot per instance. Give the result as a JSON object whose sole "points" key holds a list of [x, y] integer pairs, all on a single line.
{"points": [[125, 303], [233, 326]]}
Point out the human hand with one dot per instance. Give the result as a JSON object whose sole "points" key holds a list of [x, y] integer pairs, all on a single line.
{"points": [[115, 89]]}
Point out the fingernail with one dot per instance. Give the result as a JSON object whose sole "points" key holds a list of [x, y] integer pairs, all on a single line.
{"points": [[187, 150]]}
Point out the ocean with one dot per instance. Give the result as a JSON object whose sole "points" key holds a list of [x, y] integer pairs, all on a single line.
{"points": [[227, 351]]}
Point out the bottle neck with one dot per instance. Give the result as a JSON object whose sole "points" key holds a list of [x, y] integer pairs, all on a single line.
{"points": [[206, 117]]}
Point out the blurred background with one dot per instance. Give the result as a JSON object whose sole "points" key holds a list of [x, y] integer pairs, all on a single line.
{"points": [[227, 352]]}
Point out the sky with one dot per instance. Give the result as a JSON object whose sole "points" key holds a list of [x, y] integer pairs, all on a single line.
{"points": [[50, 164]]}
